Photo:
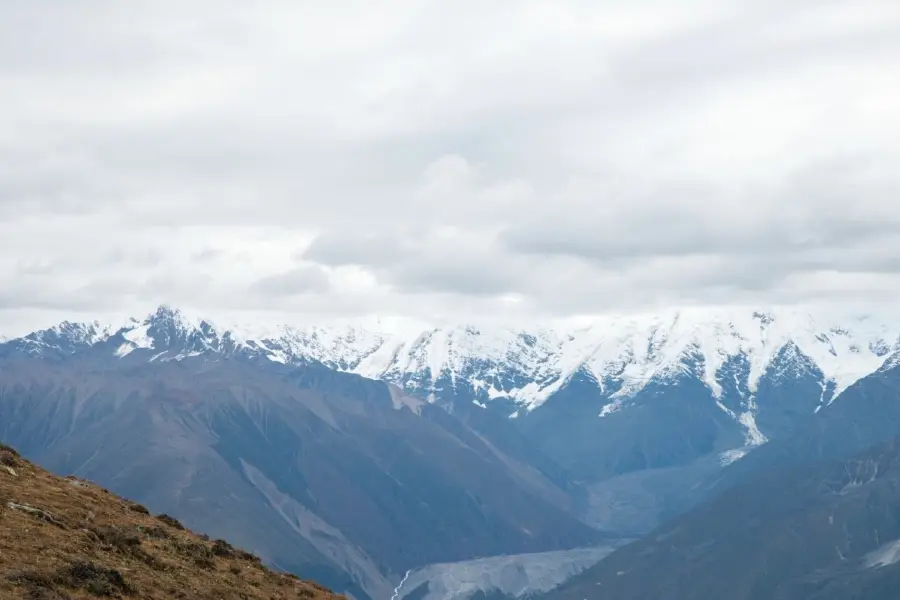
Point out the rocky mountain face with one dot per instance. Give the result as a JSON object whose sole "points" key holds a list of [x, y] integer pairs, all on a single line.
{"points": [[822, 531], [868, 413]]}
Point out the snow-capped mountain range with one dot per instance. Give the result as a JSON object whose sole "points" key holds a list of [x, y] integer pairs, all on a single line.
{"points": [[524, 367]]}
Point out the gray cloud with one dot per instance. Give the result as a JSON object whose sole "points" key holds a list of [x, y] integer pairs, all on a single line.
{"points": [[424, 261], [206, 255], [370, 250], [830, 214], [591, 156], [476, 280], [301, 280]]}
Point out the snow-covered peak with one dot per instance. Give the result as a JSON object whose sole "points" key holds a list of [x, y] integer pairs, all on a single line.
{"points": [[167, 316], [892, 361], [172, 334], [77, 333], [530, 364], [527, 364], [66, 337], [639, 348]]}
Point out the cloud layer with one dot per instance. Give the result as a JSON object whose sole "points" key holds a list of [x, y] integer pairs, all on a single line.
{"points": [[446, 159]]}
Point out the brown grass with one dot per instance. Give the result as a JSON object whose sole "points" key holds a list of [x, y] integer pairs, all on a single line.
{"points": [[65, 539]]}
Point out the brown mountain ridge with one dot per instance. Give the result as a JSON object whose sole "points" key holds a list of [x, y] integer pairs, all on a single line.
{"points": [[67, 539]]}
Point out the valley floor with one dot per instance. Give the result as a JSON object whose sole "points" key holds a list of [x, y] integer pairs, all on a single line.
{"points": [[513, 576]]}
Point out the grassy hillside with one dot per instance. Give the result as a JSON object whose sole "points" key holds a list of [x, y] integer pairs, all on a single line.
{"points": [[64, 538]]}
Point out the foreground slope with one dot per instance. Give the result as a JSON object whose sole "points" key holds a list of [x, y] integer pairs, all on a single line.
{"points": [[825, 531], [68, 539]]}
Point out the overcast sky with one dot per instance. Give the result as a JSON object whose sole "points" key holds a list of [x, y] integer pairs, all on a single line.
{"points": [[446, 158]]}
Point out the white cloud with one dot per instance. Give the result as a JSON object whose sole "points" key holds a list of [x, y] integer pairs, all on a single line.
{"points": [[442, 158]]}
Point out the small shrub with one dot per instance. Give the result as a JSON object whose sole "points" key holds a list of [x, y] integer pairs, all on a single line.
{"points": [[200, 554], [8, 450], [32, 579], [171, 521], [119, 538], [139, 508], [223, 549], [155, 532], [87, 576], [205, 562], [235, 569], [244, 555], [8, 459], [34, 593], [126, 542], [95, 580]]}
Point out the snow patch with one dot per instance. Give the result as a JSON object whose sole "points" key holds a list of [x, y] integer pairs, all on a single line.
{"points": [[726, 410], [734, 455], [754, 436], [138, 336], [885, 555], [277, 356], [610, 408]]}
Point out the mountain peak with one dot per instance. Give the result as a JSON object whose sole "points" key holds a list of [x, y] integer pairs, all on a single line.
{"points": [[170, 331], [165, 312], [166, 315]]}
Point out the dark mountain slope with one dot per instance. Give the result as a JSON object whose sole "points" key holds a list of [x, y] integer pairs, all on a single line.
{"points": [[867, 413], [829, 531], [66, 539], [326, 474], [668, 423]]}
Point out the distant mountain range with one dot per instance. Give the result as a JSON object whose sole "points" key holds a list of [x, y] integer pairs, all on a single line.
{"points": [[737, 355], [363, 449], [526, 366]]}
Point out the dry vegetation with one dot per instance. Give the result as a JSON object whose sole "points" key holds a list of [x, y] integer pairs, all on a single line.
{"points": [[66, 539]]}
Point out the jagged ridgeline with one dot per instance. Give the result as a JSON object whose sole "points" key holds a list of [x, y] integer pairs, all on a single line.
{"points": [[516, 369]]}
